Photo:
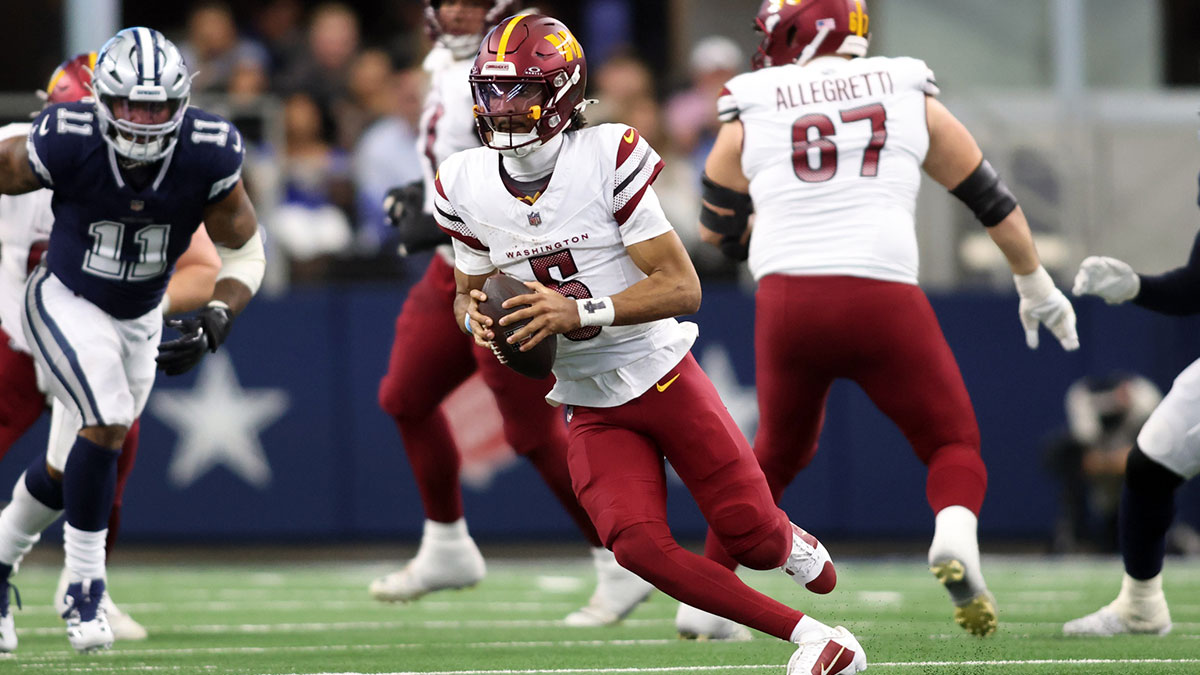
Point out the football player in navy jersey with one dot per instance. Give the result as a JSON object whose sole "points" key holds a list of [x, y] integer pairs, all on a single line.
{"points": [[1165, 456], [25, 224], [134, 172]]}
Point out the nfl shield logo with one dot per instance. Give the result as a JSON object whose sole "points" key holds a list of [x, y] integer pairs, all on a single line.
{"points": [[137, 205], [535, 218]]}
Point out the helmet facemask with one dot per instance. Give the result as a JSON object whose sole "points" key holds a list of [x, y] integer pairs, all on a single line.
{"points": [[141, 141], [142, 88]]}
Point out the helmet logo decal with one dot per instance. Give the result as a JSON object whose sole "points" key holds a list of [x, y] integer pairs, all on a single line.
{"points": [[566, 44], [503, 48], [858, 20], [777, 5]]}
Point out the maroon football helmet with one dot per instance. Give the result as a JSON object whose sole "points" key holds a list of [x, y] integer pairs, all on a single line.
{"points": [[72, 79], [796, 31], [464, 46], [528, 79]]}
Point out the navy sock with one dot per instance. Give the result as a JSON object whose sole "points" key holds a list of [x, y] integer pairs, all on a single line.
{"points": [[89, 485], [5, 573], [1147, 509], [43, 488]]}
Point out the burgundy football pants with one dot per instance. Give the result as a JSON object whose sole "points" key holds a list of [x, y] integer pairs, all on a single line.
{"points": [[811, 330], [21, 404], [430, 358], [616, 457]]}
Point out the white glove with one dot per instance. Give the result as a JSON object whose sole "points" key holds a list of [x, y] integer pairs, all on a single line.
{"points": [[1109, 278], [1042, 302]]}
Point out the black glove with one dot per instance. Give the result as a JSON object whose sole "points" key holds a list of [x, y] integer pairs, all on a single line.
{"points": [[734, 249], [403, 201], [405, 210], [203, 332]]}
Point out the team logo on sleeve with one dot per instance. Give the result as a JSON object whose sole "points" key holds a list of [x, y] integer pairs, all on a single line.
{"points": [[535, 218]]}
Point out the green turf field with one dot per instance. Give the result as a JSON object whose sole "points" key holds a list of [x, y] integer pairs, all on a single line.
{"points": [[318, 619]]}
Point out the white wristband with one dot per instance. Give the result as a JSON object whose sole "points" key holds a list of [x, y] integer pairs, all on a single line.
{"points": [[596, 311]]}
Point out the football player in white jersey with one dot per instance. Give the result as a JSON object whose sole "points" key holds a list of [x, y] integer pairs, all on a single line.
{"points": [[571, 211], [430, 358], [25, 222], [826, 146], [1166, 454]]}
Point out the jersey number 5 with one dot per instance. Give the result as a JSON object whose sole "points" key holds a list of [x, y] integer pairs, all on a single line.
{"points": [[565, 262], [827, 150], [104, 258]]}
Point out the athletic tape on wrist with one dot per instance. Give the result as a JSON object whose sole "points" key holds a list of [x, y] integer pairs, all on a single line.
{"points": [[596, 311]]}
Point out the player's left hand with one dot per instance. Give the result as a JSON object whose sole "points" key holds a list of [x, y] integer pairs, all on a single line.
{"points": [[1043, 303], [549, 311], [204, 332]]}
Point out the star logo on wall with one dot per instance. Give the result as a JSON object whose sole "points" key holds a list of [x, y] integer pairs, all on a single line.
{"points": [[218, 424], [741, 401]]}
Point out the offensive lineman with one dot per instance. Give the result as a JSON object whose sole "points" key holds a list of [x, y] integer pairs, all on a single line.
{"points": [[430, 358], [571, 212], [1165, 456], [826, 147], [134, 172]]}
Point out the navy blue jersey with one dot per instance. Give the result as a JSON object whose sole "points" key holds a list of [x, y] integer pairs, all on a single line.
{"points": [[112, 243]]}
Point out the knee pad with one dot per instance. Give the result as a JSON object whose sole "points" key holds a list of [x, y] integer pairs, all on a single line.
{"points": [[748, 539], [1144, 475]]}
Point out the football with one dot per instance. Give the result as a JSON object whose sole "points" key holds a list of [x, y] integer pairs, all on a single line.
{"points": [[535, 363]]}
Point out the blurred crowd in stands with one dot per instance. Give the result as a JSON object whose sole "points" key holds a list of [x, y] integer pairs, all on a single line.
{"points": [[331, 124]]}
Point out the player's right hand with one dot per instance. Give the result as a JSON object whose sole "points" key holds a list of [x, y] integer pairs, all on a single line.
{"points": [[480, 323], [1112, 279]]}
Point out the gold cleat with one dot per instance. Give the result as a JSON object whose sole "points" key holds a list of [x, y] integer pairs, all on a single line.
{"points": [[978, 614]]}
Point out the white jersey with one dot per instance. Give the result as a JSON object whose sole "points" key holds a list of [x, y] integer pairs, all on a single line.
{"points": [[574, 237], [25, 222], [833, 150], [447, 121]]}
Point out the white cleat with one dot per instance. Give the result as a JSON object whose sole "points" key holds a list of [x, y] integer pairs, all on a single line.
{"points": [[8, 628], [438, 565], [124, 627], [809, 563], [618, 592], [1110, 620], [87, 623], [974, 608], [838, 653], [697, 624]]}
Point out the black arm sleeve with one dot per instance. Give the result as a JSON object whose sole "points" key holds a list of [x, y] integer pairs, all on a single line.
{"points": [[1176, 292]]}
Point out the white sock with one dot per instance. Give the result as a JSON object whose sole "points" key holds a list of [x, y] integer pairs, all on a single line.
{"points": [[954, 536], [85, 553], [603, 557], [1136, 591], [456, 531], [809, 630], [22, 522]]}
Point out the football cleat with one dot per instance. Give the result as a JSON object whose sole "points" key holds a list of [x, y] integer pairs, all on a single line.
{"points": [[123, 626], [974, 609], [438, 565], [697, 624], [618, 592], [1115, 619], [809, 563], [838, 653], [8, 628], [87, 622]]}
